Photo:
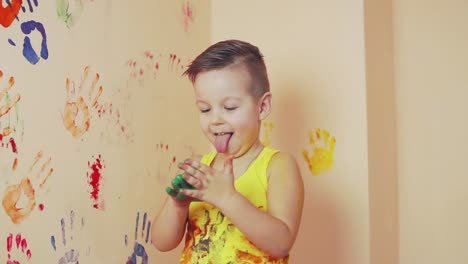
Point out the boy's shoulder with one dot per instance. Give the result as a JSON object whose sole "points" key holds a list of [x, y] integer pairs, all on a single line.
{"points": [[282, 160]]}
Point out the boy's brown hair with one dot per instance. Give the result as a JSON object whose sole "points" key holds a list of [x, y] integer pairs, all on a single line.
{"points": [[231, 52]]}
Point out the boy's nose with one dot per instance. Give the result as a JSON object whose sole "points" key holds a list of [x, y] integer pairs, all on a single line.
{"points": [[217, 118]]}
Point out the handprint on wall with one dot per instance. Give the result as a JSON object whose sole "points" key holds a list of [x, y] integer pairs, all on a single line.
{"points": [[166, 163], [268, 128], [187, 14], [7, 103], [84, 106], [323, 147], [69, 11], [150, 63], [30, 5], [9, 12], [141, 240], [77, 116], [70, 253], [94, 177], [9, 126], [28, 51], [19, 200], [18, 250]]}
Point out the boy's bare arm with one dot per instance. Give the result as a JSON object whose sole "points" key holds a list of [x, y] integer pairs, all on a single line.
{"points": [[273, 232], [169, 225]]}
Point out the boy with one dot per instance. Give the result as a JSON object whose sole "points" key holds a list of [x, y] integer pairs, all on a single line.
{"points": [[251, 196]]}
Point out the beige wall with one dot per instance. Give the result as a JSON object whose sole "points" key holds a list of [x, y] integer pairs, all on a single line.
{"points": [[381, 122], [315, 57], [431, 80]]}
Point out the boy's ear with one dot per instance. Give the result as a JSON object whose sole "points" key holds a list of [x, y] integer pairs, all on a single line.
{"points": [[265, 105]]}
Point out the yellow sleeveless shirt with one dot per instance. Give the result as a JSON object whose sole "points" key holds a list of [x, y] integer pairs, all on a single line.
{"points": [[211, 238]]}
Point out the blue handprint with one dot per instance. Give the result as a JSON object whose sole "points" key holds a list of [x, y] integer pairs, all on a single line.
{"points": [[28, 52], [72, 255], [30, 6], [138, 248]]}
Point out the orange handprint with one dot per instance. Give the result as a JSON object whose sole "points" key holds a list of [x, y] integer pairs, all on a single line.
{"points": [[6, 130], [268, 126], [322, 158], [77, 106], [4, 109], [20, 199]]}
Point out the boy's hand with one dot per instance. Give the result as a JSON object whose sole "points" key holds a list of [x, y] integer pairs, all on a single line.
{"points": [[179, 183], [177, 198], [212, 186]]}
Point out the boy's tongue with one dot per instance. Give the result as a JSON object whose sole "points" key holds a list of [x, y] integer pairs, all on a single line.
{"points": [[221, 142]]}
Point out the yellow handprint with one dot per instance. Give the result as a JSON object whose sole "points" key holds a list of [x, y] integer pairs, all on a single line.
{"points": [[322, 158], [268, 126]]}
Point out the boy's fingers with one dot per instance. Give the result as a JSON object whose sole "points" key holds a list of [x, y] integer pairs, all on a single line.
{"points": [[228, 167], [184, 184], [192, 183], [193, 193], [171, 192], [196, 165]]}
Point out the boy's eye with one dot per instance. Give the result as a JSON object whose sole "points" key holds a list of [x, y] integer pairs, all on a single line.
{"points": [[230, 108], [204, 110]]}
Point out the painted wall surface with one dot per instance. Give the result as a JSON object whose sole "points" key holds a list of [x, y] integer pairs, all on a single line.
{"points": [[382, 133], [431, 80], [93, 117], [314, 52]]}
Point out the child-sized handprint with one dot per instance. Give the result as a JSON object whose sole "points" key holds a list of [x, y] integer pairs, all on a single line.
{"points": [[139, 250], [20, 246], [69, 11], [150, 63], [19, 199], [70, 255], [166, 163], [188, 14], [6, 106], [76, 116], [7, 127], [323, 149], [268, 127], [94, 176], [9, 11]]}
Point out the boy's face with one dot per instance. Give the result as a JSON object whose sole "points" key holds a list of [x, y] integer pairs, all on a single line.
{"points": [[229, 113]]}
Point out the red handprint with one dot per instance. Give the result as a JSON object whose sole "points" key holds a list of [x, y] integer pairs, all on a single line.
{"points": [[9, 12], [21, 246]]}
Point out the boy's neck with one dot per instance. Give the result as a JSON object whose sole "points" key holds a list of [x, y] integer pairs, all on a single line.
{"points": [[242, 163]]}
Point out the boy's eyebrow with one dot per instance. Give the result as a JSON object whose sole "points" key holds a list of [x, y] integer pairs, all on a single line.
{"points": [[224, 99], [232, 98]]}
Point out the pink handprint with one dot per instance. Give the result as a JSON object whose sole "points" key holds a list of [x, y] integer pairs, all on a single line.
{"points": [[20, 245]]}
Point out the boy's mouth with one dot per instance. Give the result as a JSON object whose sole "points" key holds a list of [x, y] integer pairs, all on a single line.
{"points": [[222, 141]]}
